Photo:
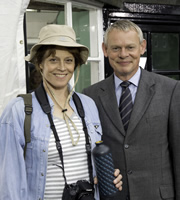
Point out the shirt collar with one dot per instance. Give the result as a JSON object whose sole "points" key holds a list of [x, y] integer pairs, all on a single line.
{"points": [[134, 80]]}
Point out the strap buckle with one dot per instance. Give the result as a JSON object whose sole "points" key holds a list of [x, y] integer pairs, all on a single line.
{"points": [[28, 109], [88, 148], [58, 145]]}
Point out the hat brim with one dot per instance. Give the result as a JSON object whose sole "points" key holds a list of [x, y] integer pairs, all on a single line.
{"points": [[84, 51]]}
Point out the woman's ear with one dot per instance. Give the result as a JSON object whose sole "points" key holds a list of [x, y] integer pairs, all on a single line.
{"points": [[41, 67]]}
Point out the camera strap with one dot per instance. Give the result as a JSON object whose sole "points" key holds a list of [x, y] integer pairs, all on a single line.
{"points": [[81, 113], [44, 103]]}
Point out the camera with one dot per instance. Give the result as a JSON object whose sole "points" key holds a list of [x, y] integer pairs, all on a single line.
{"points": [[81, 190]]}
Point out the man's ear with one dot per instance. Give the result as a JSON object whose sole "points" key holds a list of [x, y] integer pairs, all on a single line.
{"points": [[104, 48], [143, 46]]}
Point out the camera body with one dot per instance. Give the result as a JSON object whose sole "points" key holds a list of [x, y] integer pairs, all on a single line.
{"points": [[81, 190]]}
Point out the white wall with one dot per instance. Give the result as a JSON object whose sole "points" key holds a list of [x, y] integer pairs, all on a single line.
{"points": [[12, 64]]}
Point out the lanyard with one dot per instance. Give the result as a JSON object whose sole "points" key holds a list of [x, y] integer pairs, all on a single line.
{"points": [[43, 101]]}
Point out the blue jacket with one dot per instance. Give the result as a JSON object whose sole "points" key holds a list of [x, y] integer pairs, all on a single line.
{"points": [[25, 179]]}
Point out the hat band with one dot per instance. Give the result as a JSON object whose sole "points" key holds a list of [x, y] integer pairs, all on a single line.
{"points": [[61, 38]]}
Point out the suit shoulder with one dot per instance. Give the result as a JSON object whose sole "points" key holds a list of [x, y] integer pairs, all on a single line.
{"points": [[85, 99], [97, 86], [161, 79]]}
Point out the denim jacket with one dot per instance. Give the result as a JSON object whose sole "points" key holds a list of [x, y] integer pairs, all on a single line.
{"points": [[25, 179]]}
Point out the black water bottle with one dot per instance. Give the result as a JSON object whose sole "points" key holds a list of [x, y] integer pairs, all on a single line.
{"points": [[105, 169]]}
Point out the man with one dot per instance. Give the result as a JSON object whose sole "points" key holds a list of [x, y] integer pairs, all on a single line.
{"points": [[145, 143]]}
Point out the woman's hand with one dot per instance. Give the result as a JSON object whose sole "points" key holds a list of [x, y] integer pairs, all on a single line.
{"points": [[117, 182], [95, 180]]}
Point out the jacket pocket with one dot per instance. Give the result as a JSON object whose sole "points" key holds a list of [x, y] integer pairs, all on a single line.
{"points": [[167, 191], [94, 127], [95, 132]]}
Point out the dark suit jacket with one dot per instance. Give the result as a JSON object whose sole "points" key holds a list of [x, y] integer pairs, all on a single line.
{"points": [[148, 155]]}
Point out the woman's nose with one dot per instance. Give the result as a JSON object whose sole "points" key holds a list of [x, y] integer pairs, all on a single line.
{"points": [[61, 66]]}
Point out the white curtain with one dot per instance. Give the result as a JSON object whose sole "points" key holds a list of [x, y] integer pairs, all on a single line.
{"points": [[12, 64]]}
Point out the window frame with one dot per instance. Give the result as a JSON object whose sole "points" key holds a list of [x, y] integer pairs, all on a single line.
{"points": [[68, 10], [149, 23]]}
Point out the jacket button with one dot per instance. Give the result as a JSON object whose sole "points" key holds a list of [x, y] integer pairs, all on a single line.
{"points": [[129, 172], [126, 146], [42, 174]]}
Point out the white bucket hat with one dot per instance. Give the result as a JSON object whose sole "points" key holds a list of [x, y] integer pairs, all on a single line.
{"points": [[59, 35]]}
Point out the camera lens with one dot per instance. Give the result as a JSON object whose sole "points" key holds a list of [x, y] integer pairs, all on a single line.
{"points": [[74, 190]]}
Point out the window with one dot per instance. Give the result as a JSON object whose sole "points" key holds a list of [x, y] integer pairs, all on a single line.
{"points": [[165, 52], [85, 19], [162, 32]]}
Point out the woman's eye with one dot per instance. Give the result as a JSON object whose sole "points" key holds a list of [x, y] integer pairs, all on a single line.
{"points": [[53, 59], [69, 60]]}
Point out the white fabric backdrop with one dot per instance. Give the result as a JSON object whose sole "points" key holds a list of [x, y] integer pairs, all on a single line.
{"points": [[12, 64]]}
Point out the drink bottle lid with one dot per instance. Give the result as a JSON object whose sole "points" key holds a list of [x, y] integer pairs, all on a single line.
{"points": [[99, 142]]}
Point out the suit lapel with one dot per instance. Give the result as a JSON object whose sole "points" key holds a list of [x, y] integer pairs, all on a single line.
{"points": [[109, 103], [143, 98]]}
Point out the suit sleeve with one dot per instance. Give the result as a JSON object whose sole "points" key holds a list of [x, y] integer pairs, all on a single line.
{"points": [[174, 136]]}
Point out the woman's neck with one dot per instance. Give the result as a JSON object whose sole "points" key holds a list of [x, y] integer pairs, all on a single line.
{"points": [[59, 98], [60, 94]]}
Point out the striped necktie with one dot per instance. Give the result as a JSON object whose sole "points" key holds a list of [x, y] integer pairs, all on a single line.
{"points": [[125, 105]]}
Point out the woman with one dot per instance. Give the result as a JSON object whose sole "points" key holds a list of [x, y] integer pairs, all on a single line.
{"points": [[40, 176]]}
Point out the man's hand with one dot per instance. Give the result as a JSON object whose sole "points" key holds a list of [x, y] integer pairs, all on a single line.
{"points": [[117, 182]]}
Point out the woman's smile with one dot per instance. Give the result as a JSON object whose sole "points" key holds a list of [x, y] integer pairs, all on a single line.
{"points": [[58, 69], [60, 75]]}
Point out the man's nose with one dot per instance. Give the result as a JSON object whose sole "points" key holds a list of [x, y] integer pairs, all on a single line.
{"points": [[123, 53]]}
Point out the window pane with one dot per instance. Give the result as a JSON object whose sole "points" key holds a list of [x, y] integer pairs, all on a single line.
{"points": [[176, 77], [35, 20], [145, 37], [85, 26], [88, 75], [85, 23], [81, 26], [165, 51], [60, 18], [84, 78], [143, 59]]}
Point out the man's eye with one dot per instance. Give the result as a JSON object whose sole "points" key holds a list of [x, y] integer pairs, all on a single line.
{"points": [[115, 48], [130, 48]]}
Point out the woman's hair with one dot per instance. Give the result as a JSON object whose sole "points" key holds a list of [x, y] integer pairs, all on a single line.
{"points": [[123, 25], [47, 50], [35, 79]]}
